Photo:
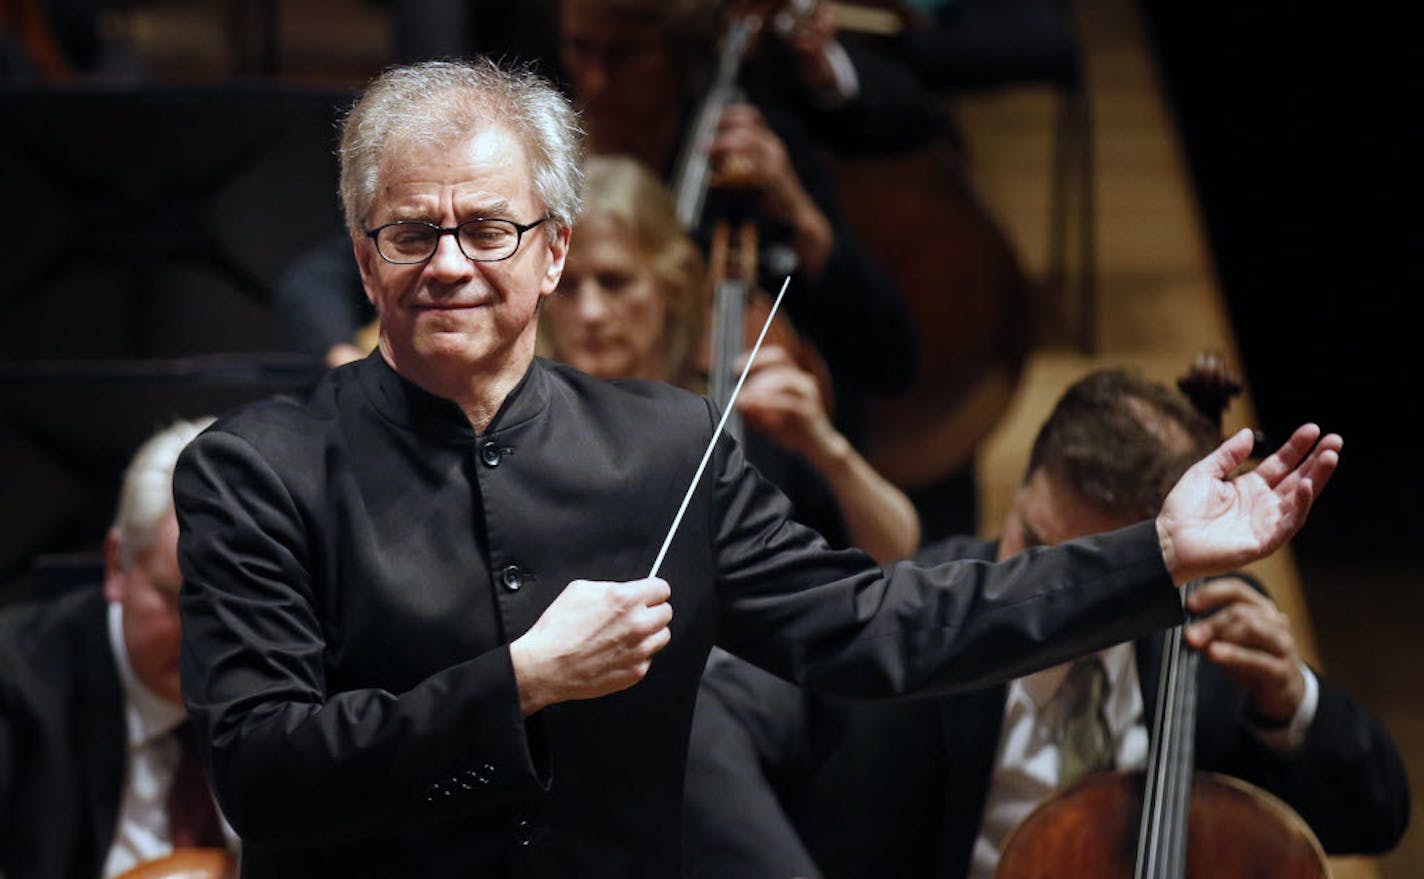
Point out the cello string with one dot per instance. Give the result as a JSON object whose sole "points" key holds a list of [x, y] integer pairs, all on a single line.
{"points": [[1177, 731], [1186, 747], [1173, 815], [1171, 769], [1150, 833], [722, 422]]}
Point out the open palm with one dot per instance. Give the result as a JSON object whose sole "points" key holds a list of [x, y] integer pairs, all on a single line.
{"points": [[1212, 523]]}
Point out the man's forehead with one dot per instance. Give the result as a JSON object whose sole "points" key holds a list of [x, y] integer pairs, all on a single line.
{"points": [[490, 144], [1055, 512], [488, 167]]}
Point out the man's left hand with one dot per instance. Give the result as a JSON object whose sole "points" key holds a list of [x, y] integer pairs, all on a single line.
{"points": [[1214, 522], [1250, 638]]}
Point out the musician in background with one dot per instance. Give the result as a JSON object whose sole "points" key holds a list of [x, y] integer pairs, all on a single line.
{"points": [[632, 303], [784, 783], [637, 71], [95, 774]]}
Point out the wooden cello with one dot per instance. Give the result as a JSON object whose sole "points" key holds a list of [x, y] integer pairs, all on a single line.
{"points": [[1169, 821], [186, 863]]}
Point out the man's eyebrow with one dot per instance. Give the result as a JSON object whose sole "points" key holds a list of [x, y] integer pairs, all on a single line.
{"points": [[496, 210]]}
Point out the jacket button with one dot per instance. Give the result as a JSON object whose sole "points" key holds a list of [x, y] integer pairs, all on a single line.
{"points": [[481, 775], [512, 578], [491, 454], [523, 833]]}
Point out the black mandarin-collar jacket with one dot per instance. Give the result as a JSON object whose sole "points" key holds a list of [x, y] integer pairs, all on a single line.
{"points": [[356, 563]]}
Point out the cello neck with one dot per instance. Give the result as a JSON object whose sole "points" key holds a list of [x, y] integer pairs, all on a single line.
{"points": [[1162, 834]]}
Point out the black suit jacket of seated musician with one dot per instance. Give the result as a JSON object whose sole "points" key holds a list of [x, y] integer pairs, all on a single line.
{"points": [[786, 782]]}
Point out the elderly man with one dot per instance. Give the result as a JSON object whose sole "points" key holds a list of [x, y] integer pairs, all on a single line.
{"points": [[390, 646], [93, 778]]}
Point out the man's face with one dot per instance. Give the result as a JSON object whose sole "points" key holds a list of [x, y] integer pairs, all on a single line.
{"points": [[1045, 512], [451, 316], [609, 317], [147, 590], [621, 73]]}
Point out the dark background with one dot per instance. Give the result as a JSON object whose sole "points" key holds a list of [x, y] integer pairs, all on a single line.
{"points": [[1293, 121]]}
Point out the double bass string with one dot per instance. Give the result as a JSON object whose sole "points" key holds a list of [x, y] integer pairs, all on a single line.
{"points": [[721, 423]]}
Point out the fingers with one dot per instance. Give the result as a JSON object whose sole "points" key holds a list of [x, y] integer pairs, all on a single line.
{"points": [[1257, 672], [1323, 460], [1221, 591], [1229, 455], [1240, 618], [1298, 488], [1243, 619], [649, 615], [650, 590], [1285, 459], [739, 115], [769, 356]]}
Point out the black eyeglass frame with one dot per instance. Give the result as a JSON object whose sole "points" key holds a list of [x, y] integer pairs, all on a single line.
{"points": [[441, 231]]}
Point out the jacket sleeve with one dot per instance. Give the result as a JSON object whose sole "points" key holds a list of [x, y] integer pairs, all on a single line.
{"points": [[839, 624], [1346, 780], [290, 759], [749, 740]]}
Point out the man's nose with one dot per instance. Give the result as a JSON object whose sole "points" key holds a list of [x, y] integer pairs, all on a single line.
{"points": [[449, 262]]}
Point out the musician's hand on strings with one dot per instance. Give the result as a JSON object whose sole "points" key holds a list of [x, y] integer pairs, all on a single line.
{"points": [[784, 401], [1251, 639], [595, 638], [745, 154], [1212, 523]]}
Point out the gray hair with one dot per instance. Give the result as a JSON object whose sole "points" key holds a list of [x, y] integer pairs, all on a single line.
{"points": [[435, 102], [147, 492]]}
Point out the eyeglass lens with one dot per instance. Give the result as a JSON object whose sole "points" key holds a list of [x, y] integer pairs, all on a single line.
{"points": [[478, 239]]}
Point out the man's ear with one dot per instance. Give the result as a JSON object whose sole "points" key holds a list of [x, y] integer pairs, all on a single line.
{"points": [[364, 256], [558, 252], [113, 569]]}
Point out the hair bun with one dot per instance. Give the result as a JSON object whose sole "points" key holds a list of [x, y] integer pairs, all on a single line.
{"points": [[1210, 385]]}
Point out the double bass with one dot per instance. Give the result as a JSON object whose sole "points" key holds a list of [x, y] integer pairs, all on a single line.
{"points": [[917, 211], [739, 308], [1170, 821]]}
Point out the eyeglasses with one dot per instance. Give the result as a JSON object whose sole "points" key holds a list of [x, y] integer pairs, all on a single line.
{"points": [[482, 239]]}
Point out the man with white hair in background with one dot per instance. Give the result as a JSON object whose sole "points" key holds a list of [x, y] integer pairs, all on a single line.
{"points": [[93, 775]]}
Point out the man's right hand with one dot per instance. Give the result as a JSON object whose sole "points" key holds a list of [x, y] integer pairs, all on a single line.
{"points": [[596, 638]]}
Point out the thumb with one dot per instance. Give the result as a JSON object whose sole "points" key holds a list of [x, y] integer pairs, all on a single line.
{"points": [[1230, 454]]}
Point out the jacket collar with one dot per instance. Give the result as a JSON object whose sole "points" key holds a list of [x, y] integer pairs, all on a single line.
{"points": [[408, 405]]}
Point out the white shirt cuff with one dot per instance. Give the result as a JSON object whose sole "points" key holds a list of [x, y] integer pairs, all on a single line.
{"points": [[1291, 736]]}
